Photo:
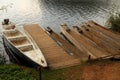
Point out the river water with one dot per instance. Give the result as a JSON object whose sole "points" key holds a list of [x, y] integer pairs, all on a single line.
{"points": [[53, 13]]}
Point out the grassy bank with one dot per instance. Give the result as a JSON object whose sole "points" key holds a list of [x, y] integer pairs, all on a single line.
{"points": [[96, 70], [15, 72], [63, 74]]}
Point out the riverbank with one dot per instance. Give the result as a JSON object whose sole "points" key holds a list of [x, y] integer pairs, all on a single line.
{"points": [[102, 70], [16, 72], [98, 70]]}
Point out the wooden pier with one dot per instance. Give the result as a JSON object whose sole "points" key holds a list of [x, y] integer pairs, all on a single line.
{"points": [[82, 42], [104, 30], [90, 41], [68, 47], [108, 44], [56, 56], [93, 39]]}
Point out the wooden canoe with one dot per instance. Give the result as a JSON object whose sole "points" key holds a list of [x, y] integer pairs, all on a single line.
{"points": [[20, 44]]}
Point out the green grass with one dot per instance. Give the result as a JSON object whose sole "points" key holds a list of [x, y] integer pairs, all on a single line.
{"points": [[53, 75], [15, 72], [69, 73]]}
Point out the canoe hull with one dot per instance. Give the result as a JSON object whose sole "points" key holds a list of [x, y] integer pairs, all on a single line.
{"points": [[18, 56]]}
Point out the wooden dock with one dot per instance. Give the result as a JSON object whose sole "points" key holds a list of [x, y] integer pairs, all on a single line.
{"points": [[108, 44], [90, 41], [93, 39], [104, 30], [68, 47], [56, 56], [81, 42]]}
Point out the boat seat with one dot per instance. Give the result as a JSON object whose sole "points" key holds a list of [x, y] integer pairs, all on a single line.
{"points": [[16, 38], [25, 47], [11, 30], [11, 33], [19, 40]]}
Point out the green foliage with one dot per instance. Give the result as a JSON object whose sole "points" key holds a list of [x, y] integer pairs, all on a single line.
{"points": [[114, 21], [15, 72]]}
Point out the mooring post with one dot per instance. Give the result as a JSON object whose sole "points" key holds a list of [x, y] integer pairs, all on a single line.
{"points": [[89, 57], [40, 72]]}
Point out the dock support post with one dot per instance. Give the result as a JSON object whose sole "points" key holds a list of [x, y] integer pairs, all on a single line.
{"points": [[89, 57], [40, 72]]}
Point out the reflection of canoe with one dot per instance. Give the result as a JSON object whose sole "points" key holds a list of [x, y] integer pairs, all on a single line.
{"points": [[22, 46]]}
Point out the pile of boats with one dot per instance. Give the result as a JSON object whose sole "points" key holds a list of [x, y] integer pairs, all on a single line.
{"points": [[20, 46]]}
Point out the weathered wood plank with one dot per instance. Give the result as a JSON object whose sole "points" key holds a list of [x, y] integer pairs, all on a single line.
{"points": [[104, 30], [90, 42], [68, 47], [103, 36], [108, 47], [81, 42]]}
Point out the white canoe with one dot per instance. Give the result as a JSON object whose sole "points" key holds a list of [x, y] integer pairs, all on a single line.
{"points": [[22, 46]]}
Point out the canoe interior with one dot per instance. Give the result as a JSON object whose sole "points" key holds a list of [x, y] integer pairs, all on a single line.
{"points": [[18, 40]]}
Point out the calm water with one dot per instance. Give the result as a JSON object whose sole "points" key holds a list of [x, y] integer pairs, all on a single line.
{"points": [[55, 12], [52, 13]]}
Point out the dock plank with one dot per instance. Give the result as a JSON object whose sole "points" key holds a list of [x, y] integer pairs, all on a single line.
{"points": [[103, 36], [99, 41], [81, 42], [104, 30], [90, 42], [68, 47]]}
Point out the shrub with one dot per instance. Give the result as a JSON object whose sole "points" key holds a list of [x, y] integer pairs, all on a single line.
{"points": [[114, 22]]}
